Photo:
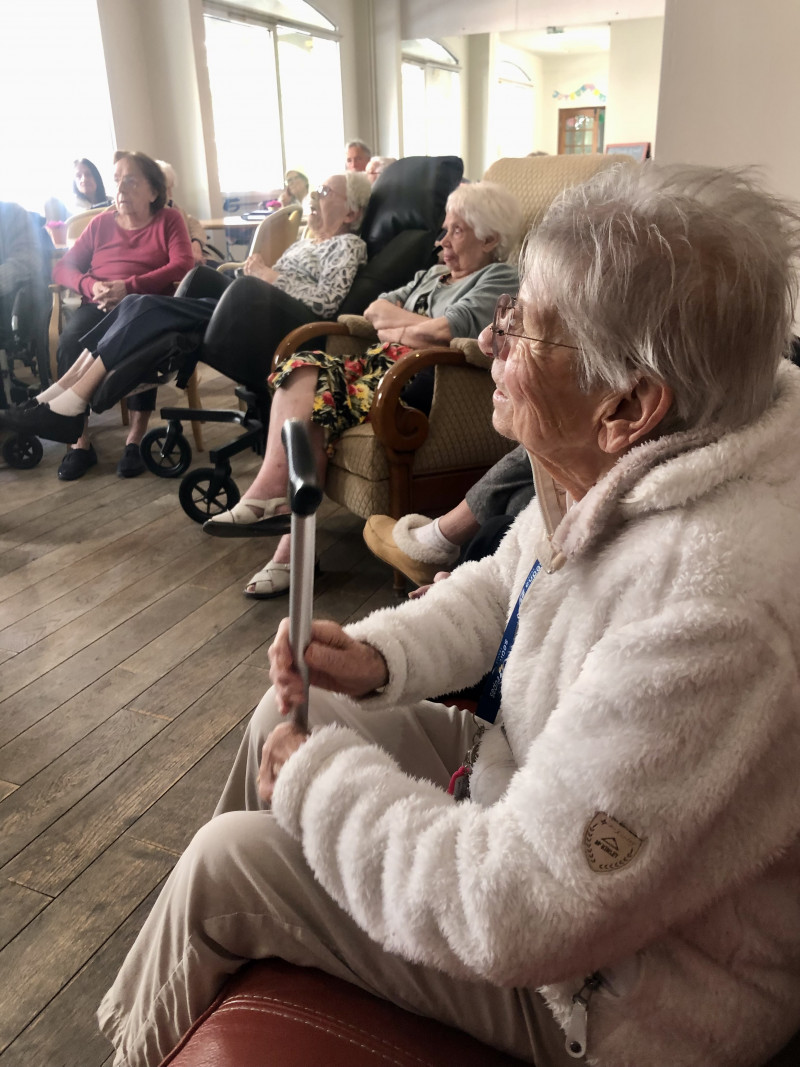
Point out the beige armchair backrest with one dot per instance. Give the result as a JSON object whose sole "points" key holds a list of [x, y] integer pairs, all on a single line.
{"points": [[537, 180]]}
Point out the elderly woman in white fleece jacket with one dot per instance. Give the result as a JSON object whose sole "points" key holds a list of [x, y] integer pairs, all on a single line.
{"points": [[631, 834]]}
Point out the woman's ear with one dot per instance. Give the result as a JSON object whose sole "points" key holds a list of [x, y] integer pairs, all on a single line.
{"points": [[490, 243], [633, 415]]}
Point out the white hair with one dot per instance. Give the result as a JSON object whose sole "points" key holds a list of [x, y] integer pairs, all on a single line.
{"points": [[685, 274], [358, 189], [380, 163], [170, 176], [490, 210]]}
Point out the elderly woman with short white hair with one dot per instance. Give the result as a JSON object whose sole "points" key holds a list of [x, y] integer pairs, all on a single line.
{"points": [[455, 298], [620, 881]]}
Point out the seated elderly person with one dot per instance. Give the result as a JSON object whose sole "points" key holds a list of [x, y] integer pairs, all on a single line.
{"points": [[140, 247], [453, 299], [197, 234], [377, 165], [624, 877], [307, 283]]}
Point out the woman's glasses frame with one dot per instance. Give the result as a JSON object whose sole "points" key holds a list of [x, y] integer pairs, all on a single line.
{"points": [[507, 322]]}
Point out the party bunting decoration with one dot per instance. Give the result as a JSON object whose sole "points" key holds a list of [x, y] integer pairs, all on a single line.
{"points": [[584, 89]]}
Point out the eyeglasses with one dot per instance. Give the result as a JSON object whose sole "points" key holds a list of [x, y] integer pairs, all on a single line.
{"points": [[454, 231], [507, 322], [325, 190]]}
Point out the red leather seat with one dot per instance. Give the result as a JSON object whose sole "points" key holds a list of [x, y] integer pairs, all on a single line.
{"points": [[273, 1014]]}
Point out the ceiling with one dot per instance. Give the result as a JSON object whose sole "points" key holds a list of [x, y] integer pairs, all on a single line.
{"points": [[567, 40], [421, 18]]}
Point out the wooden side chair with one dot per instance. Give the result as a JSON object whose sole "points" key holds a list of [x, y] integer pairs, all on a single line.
{"points": [[272, 237]]}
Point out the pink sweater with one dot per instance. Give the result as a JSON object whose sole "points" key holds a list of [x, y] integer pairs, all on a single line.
{"points": [[150, 260]]}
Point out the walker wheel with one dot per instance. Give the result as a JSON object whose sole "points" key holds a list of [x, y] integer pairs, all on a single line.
{"points": [[22, 452], [166, 458], [204, 493]]}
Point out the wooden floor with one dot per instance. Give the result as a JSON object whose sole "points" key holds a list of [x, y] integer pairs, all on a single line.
{"points": [[129, 663]]}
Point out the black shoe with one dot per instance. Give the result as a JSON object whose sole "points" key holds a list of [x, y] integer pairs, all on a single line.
{"points": [[76, 463], [131, 464], [40, 421]]}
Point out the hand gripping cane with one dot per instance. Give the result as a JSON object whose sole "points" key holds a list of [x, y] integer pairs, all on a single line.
{"points": [[305, 497]]}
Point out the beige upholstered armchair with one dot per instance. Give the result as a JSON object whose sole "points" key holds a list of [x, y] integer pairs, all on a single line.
{"points": [[402, 461]]}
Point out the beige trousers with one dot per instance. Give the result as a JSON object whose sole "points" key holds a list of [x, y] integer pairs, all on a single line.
{"points": [[242, 890]]}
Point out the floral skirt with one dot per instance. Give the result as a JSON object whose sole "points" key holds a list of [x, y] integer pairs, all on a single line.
{"points": [[346, 384]]}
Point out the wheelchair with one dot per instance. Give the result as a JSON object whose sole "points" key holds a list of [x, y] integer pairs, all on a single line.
{"points": [[24, 313]]}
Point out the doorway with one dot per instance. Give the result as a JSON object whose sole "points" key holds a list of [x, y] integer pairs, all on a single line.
{"points": [[580, 130]]}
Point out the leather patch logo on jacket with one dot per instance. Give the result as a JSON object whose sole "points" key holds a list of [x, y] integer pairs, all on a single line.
{"points": [[607, 845]]}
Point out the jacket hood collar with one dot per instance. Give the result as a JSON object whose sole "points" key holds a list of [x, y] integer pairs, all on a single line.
{"points": [[652, 477]]}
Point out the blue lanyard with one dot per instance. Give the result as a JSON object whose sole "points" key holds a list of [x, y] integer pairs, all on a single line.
{"points": [[489, 701]]}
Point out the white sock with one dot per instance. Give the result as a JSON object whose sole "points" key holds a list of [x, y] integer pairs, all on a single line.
{"points": [[69, 403], [432, 537], [48, 394]]}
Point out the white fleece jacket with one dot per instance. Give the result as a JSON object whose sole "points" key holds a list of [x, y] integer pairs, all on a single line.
{"points": [[654, 678]]}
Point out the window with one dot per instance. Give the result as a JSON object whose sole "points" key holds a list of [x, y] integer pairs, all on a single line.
{"points": [[514, 116], [276, 97], [431, 86], [44, 130]]}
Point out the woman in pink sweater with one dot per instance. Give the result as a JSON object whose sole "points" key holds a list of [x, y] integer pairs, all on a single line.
{"points": [[139, 246]]}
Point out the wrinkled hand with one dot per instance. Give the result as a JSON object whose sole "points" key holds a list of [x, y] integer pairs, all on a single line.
{"points": [[415, 594], [386, 315], [335, 661], [284, 740], [108, 294], [256, 267]]}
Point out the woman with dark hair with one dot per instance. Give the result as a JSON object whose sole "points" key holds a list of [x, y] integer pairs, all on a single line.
{"points": [[141, 247], [88, 189]]}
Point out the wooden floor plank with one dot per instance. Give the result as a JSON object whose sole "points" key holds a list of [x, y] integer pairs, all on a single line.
{"points": [[61, 784], [34, 748], [67, 847], [65, 1032], [18, 905], [56, 944], [174, 819]]}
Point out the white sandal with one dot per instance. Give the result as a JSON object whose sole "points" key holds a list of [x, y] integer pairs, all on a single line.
{"points": [[242, 520], [269, 582]]}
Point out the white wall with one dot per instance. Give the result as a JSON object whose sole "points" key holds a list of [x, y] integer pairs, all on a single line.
{"points": [[634, 75], [729, 81], [566, 74]]}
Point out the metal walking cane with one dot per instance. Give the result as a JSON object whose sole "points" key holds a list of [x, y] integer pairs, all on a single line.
{"points": [[305, 497]]}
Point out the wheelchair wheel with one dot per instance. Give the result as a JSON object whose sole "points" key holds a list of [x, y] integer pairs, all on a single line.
{"points": [[22, 452], [203, 494], [167, 455]]}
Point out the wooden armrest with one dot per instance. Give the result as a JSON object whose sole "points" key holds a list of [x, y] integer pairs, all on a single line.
{"points": [[226, 268], [398, 427], [358, 326], [299, 338]]}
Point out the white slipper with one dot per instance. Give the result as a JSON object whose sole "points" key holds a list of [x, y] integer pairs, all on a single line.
{"points": [[242, 520], [402, 534], [269, 582]]}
